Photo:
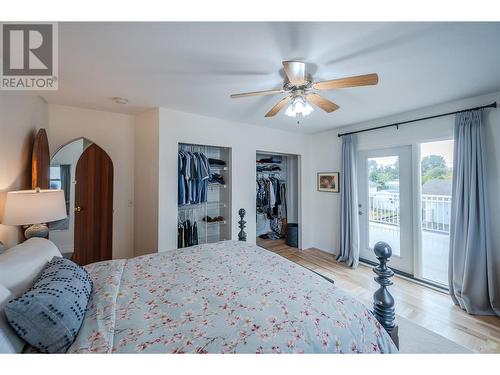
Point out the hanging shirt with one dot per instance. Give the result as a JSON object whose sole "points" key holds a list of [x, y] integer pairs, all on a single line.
{"points": [[195, 233], [180, 236], [188, 234], [181, 183], [277, 191], [186, 172], [261, 193], [272, 195], [205, 172], [194, 173], [197, 178], [283, 201]]}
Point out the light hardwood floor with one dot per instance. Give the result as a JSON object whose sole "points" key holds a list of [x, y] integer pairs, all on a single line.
{"points": [[424, 306]]}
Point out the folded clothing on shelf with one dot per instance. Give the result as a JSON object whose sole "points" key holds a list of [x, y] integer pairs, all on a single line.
{"points": [[218, 162], [277, 159], [268, 168], [216, 178]]}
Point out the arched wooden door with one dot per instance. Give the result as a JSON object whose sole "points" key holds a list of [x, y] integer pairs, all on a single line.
{"points": [[93, 206]]}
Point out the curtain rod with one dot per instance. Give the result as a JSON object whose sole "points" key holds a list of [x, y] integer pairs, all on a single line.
{"points": [[396, 124]]}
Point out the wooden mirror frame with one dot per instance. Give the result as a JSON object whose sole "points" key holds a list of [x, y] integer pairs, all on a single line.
{"points": [[40, 161]]}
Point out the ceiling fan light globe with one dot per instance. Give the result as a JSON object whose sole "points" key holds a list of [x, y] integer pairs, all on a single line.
{"points": [[290, 112], [307, 109], [299, 106]]}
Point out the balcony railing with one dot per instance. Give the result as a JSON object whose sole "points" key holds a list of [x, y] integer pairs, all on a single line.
{"points": [[385, 209], [436, 213]]}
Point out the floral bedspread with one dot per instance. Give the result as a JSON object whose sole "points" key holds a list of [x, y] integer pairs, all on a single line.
{"points": [[227, 297]]}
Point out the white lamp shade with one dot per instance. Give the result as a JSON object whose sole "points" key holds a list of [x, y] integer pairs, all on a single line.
{"points": [[27, 207]]}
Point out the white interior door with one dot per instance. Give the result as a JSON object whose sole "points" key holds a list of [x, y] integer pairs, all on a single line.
{"points": [[385, 205]]}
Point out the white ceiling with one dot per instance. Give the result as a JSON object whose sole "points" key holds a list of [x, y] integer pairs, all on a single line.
{"points": [[194, 67]]}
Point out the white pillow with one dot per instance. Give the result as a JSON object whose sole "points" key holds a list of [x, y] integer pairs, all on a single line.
{"points": [[20, 265], [9, 342]]}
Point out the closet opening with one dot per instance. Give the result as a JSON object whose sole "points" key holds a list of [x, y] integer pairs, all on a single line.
{"points": [[277, 200], [204, 194]]}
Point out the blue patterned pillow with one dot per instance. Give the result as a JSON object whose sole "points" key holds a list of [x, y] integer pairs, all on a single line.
{"points": [[50, 314]]}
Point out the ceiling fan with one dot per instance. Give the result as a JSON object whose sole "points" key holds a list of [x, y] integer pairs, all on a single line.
{"points": [[300, 89]]}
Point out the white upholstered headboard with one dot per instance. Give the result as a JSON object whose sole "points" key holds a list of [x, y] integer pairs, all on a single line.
{"points": [[21, 264], [19, 268]]}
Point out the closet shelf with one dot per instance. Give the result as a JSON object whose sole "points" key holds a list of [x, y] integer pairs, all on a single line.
{"points": [[214, 223], [218, 169], [216, 186], [200, 206], [269, 172], [216, 237]]}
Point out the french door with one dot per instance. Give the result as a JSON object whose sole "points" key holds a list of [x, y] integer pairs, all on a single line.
{"points": [[385, 204]]}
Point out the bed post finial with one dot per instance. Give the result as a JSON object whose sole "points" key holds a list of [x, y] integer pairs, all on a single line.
{"points": [[383, 302], [242, 236]]}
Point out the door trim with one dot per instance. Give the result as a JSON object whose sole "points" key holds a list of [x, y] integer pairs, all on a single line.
{"points": [[417, 206], [424, 282]]}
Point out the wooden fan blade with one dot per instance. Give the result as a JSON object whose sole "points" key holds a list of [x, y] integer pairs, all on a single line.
{"points": [[322, 103], [364, 80], [295, 71], [257, 93], [283, 102]]}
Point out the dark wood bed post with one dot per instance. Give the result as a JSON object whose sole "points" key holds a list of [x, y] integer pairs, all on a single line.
{"points": [[383, 301], [242, 236]]}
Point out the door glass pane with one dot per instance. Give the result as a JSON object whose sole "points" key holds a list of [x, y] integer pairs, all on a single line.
{"points": [[383, 198], [436, 168]]}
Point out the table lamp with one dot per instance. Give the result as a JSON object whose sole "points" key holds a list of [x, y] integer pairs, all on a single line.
{"points": [[34, 208]]}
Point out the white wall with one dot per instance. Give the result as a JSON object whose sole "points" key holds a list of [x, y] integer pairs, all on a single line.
{"points": [[179, 127], [149, 142], [21, 114], [114, 133], [325, 150], [146, 182]]}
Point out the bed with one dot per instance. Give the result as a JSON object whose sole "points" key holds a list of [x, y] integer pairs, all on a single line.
{"points": [[227, 297]]}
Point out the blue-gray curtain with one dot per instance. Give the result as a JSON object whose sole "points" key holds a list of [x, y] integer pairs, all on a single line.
{"points": [[349, 221], [472, 277]]}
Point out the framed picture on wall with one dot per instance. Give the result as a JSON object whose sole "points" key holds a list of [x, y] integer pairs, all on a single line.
{"points": [[328, 181]]}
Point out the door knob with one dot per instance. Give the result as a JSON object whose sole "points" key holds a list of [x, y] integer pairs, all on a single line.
{"points": [[78, 209], [360, 212]]}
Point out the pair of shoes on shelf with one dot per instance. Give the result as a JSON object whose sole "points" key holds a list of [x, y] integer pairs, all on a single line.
{"points": [[209, 219], [216, 178]]}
